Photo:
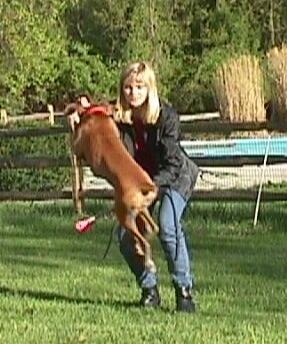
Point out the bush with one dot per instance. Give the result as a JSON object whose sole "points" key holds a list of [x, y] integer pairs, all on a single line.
{"points": [[34, 179]]}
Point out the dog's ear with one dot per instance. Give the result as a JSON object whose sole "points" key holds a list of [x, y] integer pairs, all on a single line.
{"points": [[70, 108], [74, 120], [72, 113], [85, 101]]}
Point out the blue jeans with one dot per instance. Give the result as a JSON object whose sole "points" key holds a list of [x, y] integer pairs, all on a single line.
{"points": [[173, 241]]}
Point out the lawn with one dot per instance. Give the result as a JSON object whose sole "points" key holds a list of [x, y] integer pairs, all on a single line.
{"points": [[56, 288]]}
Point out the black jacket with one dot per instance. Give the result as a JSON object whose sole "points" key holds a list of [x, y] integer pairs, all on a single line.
{"points": [[175, 168]]}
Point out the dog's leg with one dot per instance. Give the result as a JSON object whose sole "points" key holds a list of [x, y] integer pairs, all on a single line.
{"points": [[128, 221], [142, 245], [151, 226]]}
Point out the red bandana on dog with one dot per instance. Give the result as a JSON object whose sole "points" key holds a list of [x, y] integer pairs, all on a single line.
{"points": [[97, 110]]}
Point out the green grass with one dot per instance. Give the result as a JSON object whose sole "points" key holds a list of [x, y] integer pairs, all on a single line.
{"points": [[56, 288]]}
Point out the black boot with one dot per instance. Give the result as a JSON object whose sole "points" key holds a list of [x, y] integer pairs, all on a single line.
{"points": [[150, 297], [184, 302]]}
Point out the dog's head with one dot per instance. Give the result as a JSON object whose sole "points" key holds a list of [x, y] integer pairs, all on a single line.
{"points": [[85, 106]]}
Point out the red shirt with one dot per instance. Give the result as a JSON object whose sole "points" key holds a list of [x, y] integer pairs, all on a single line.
{"points": [[144, 155]]}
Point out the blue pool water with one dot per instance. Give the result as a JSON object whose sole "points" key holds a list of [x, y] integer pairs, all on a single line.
{"points": [[236, 147]]}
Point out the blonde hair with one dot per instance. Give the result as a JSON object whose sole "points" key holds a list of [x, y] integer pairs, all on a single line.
{"points": [[145, 73]]}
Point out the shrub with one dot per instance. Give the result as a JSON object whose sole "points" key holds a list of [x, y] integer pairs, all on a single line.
{"points": [[34, 179]]}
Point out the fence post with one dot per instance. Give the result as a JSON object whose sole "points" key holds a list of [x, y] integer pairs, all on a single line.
{"points": [[3, 117], [51, 114]]}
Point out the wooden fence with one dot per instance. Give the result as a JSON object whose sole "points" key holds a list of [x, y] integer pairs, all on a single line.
{"points": [[188, 127]]}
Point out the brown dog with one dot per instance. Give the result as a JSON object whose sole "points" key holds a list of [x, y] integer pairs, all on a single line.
{"points": [[96, 140]]}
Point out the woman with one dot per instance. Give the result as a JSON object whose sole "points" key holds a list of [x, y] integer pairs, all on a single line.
{"points": [[149, 129]]}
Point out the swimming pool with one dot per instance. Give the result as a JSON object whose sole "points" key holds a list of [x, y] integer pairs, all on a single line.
{"points": [[236, 147]]}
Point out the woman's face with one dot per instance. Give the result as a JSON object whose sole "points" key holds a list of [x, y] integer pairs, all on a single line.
{"points": [[135, 91]]}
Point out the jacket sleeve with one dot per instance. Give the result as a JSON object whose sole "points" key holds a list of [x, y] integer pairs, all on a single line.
{"points": [[170, 152], [126, 137]]}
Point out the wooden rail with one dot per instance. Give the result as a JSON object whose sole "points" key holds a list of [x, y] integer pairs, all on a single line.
{"points": [[228, 127], [239, 195], [52, 115], [32, 132], [34, 162], [78, 194], [186, 128], [46, 162]]}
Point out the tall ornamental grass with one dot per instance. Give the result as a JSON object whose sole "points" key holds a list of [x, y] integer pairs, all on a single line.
{"points": [[277, 62], [239, 90]]}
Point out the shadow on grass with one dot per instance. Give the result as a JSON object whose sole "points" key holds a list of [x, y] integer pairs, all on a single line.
{"points": [[46, 296], [36, 242], [54, 222], [38, 235], [52, 218], [52, 253]]}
